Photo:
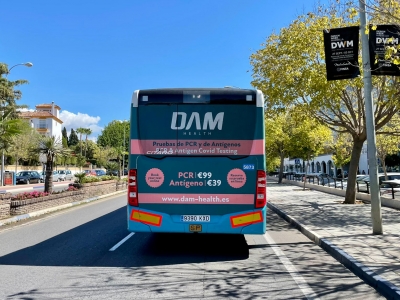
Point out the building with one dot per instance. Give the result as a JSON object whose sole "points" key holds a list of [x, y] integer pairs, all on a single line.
{"points": [[323, 164], [45, 119]]}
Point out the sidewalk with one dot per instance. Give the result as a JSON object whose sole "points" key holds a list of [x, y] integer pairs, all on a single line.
{"points": [[344, 231], [29, 187]]}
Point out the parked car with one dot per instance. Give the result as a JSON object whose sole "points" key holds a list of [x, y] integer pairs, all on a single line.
{"points": [[55, 176], [112, 172], [100, 172], [381, 177], [116, 172], [66, 175], [90, 172], [27, 177]]}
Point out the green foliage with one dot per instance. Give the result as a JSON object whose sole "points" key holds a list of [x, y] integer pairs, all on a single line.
{"points": [[79, 177], [64, 134], [111, 165], [341, 147], [52, 148], [103, 155], [113, 135], [309, 137], [386, 142], [89, 148], [73, 138], [80, 160], [9, 95], [273, 163], [290, 70], [10, 124], [64, 142], [89, 179]]}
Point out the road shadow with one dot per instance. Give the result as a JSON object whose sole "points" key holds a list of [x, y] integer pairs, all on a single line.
{"points": [[89, 245]]}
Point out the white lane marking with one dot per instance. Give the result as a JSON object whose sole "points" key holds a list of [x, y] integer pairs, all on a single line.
{"points": [[302, 284], [122, 241]]}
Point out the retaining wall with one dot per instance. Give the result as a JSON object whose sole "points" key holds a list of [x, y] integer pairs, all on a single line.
{"points": [[10, 207]]}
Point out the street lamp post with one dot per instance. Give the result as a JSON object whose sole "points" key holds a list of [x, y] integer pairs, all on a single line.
{"points": [[27, 64]]}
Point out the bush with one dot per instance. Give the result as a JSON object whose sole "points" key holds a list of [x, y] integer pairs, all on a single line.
{"points": [[29, 195], [79, 177], [89, 179]]}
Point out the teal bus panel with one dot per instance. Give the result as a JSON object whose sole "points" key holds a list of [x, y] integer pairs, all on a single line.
{"points": [[196, 153]]}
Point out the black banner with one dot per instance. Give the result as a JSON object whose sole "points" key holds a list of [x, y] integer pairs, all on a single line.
{"points": [[378, 40], [341, 53]]}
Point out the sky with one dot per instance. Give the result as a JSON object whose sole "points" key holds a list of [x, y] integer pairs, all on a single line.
{"points": [[89, 56]]}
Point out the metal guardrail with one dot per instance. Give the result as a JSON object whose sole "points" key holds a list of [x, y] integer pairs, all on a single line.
{"points": [[362, 186]]}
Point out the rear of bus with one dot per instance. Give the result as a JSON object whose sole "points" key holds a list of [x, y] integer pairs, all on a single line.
{"points": [[197, 161]]}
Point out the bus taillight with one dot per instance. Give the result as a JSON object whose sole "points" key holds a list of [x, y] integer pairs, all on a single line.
{"points": [[132, 188], [261, 198]]}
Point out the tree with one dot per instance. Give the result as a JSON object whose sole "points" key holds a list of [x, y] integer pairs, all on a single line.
{"points": [[290, 69], [52, 148], [113, 135], [22, 143], [277, 139], [87, 132], [309, 138], [80, 131], [64, 133], [73, 138], [292, 132], [9, 95], [80, 161], [65, 142], [103, 155], [381, 12], [120, 151], [341, 148], [10, 124], [387, 144]]}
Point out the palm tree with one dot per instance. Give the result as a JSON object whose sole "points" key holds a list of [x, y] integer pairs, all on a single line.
{"points": [[81, 131], [8, 129], [51, 147], [87, 132]]}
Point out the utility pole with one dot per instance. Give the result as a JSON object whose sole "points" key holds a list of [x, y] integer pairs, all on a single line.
{"points": [[370, 126]]}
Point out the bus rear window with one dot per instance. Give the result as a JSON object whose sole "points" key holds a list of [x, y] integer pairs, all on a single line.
{"points": [[197, 96]]}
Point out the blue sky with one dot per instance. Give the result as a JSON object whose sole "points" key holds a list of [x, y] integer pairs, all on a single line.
{"points": [[89, 56]]}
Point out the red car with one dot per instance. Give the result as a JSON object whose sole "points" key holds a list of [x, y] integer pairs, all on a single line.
{"points": [[90, 173]]}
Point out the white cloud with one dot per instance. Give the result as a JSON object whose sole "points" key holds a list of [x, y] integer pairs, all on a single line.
{"points": [[71, 120]]}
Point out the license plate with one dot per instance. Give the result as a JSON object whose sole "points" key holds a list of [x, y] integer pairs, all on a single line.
{"points": [[195, 228], [195, 218]]}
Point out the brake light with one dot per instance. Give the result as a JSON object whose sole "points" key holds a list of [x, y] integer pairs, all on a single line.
{"points": [[261, 189], [132, 188]]}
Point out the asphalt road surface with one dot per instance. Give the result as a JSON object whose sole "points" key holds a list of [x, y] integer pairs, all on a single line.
{"points": [[66, 255]]}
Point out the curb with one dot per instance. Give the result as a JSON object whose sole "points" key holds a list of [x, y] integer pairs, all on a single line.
{"points": [[383, 286], [26, 189], [55, 208]]}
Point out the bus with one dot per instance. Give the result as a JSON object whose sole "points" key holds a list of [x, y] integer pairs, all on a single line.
{"points": [[197, 161]]}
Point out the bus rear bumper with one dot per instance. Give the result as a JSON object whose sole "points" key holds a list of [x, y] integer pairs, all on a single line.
{"points": [[246, 222]]}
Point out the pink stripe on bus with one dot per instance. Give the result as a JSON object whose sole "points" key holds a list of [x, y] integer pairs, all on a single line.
{"points": [[198, 147], [196, 198]]}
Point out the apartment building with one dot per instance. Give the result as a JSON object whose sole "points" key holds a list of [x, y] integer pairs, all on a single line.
{"points": [[45, 119]]}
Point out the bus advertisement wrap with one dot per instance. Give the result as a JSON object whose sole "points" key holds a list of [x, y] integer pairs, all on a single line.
{"points": [[197, 155]]}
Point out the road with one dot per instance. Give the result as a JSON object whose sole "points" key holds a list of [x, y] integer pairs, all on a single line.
{"points": [[66, 255]]}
